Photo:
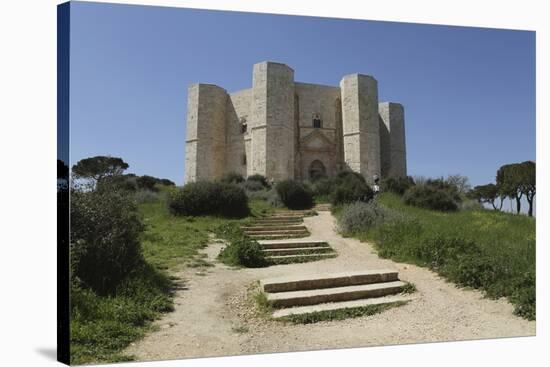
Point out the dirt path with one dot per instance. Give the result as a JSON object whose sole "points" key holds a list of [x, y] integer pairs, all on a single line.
{"points": [[214, 317]]}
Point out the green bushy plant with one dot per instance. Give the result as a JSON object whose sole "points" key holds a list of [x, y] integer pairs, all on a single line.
{"points": [[241, 250], [430, 197], [258, 178], [146, 196], [397, 185], [232, 177], [352, 189], [209, 198], [253, 185], [105, 230], [324, 186], [360, 216], [294, 195]]}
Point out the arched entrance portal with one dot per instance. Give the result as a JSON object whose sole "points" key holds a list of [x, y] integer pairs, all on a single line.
{"points": [[317, 169]]}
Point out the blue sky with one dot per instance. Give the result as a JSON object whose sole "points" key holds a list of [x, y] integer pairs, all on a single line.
{"points": [[468, 93]]}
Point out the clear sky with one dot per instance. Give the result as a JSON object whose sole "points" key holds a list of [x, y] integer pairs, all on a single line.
{"points": [[468, 93]]}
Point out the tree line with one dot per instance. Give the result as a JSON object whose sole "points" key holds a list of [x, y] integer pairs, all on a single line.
{"points": [[513, 181]]}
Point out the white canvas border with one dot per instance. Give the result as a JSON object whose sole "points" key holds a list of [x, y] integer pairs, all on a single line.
{"points": [[28, 145]]}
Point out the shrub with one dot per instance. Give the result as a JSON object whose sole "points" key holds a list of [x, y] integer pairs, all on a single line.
{"points": [[258, 178], [118, 182], [350, 190], [251, 185], [448, 186], [430, 197], [105, 229], [273, 199], [294, 195], [232, 177], [397, 185], [324, 186], [146, 196], [209, 198], [348, 175], [525, 296], [147, 182], [241, 250], [359, 216]]}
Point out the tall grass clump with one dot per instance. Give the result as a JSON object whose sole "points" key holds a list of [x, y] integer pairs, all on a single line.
{"points": [[209, 198], [241, 250]]}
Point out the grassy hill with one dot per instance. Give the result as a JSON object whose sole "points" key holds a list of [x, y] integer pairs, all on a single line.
{"points": [[485, 249]]}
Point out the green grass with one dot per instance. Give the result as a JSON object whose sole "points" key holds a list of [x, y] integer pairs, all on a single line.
{"points": [[102, 327], [484, 249]]}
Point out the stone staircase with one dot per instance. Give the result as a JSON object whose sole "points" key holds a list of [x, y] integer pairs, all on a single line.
{"points": [[299, 295], [296, 250], [277, 226], [281, 236]]}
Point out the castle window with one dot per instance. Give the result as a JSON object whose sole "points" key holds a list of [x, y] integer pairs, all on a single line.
{"points": [[316, 121], [243, 125], [244, 159]]}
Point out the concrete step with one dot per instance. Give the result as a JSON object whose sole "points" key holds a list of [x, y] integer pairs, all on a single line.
{"points": [[297, 251], [322, 207], [321, 281], [338, 294], [333, 306], [293, 243], [277, 231], [273, 228], [289, 259], [261, 236], [278, 219], [274, 224]]}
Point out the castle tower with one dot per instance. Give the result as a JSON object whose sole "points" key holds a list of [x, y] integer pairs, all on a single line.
{"points": [[205, 139], [392, 139], [272, 121], [360, 124]]}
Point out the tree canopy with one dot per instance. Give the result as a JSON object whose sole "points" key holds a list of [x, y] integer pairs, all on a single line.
{"points": [[516, 180], [487, 194], [99, 167]]}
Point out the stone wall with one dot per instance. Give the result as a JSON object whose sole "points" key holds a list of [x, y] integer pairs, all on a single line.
{"points": [[360, 124], [394, 153], [317, 143], [272, 145], [280, 141], [239, 109], [205, 139]]}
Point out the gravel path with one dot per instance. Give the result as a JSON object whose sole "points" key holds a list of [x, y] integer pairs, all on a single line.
{"points": [[213, 314]]}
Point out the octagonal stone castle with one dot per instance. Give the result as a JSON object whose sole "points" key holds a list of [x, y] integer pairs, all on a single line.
{"points": [[284, 129]]}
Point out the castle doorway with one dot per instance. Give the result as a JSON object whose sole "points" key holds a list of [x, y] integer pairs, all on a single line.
{"points": [[317, 169]]}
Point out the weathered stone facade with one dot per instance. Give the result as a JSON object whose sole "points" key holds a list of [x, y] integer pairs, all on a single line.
{"points": [[283, 129]]}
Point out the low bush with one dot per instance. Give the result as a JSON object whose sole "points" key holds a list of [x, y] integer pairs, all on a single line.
{"points": [[349, 175], [232, 177], [359, 216], [430, 197], [397, 185], [146, 196], [105, 230], [273, 199], [324, 187], [241, 250], [251, 185], [294, 195], [351, 189], [258, 178], [209, 198]]}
